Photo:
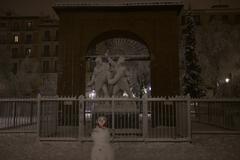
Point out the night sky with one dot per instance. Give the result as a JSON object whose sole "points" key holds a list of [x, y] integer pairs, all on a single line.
{"points": [[43, 7]]}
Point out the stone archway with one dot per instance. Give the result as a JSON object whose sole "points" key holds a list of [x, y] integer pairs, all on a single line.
{"points": [[156, 24], [137, 58]]}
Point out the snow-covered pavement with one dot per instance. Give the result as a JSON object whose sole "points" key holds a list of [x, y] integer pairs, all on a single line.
{"points": [[203, 147]]}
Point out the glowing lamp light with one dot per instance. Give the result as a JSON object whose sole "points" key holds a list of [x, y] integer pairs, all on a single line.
{"points": [[92, 94], [149, 88], [227, 80]]}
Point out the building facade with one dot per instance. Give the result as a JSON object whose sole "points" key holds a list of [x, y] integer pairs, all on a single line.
{"points": [[85, 24], [35, 38]]}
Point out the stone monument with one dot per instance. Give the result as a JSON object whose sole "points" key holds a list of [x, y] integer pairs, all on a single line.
{"points": [[112, 77]]}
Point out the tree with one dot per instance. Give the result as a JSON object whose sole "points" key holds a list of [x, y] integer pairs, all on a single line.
{"points": [[192, 81], [27, 80], [218, 44]]}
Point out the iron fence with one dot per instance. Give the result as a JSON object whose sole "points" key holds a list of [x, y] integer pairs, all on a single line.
{"points": [[73, 118], [18, 115], [222, 114], [129, 119], [146, 119]]}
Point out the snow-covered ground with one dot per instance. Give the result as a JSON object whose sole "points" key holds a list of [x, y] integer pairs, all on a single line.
{"points": [[19, 123], [203, 147]]}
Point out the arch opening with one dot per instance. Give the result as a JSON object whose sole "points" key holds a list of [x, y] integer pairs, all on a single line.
{"points": [[137, 64]]}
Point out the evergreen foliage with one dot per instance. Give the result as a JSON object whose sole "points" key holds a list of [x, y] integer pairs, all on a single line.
{"points": [[192, 81]]}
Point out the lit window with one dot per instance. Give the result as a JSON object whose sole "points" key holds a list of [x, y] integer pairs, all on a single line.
{"points": [[16, 38], [28, 52]]}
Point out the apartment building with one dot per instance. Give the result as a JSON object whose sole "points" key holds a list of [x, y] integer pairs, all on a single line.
{"points": [[34, 37]]}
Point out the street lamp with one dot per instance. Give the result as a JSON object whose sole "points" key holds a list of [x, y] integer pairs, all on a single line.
{"points": [[227, 80]]}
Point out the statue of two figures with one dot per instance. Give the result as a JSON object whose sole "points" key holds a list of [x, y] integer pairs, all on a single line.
{"points": [[110, 78]]}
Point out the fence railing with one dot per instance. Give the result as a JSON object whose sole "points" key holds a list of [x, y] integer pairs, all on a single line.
{"points": [[147, 119], [18, 115], [129, 119], [223, 114]]}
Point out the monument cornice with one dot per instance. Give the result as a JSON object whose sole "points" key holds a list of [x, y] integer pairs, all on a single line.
{"points": [[118, 6], [118, 3]]}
